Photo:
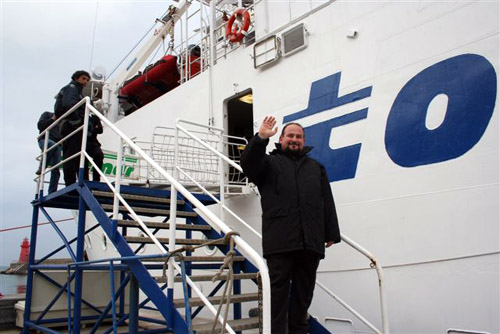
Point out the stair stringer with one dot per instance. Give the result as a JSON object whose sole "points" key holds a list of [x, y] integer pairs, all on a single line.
{"points": [[146, 282]]}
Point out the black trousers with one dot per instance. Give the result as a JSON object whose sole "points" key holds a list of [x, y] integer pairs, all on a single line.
{"points": [[95, 152], [71, 146], [293, 276]]}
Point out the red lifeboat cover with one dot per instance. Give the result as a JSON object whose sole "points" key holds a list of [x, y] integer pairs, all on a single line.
{"points": [[156, 80]]}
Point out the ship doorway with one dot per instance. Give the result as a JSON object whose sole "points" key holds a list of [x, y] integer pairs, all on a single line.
{"points": [[238, 123], [239, 115]]}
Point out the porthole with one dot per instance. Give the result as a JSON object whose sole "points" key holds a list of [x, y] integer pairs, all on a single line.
{"points": [[104, 241], [88, 242], [210, 249], [143, 248]]}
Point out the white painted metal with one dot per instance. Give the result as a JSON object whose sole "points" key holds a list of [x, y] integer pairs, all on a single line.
{"points": [[118, 180], [245, 248], [434, 227]]}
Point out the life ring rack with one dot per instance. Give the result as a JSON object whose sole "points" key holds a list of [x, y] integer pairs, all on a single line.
{"points": [[234, 35]]}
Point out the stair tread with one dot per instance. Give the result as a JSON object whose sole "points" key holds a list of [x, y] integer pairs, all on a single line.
{"points": [[166, 241], [199, 278], [164, 212], [244, 297], [199, 258], [155, 199], [237, 325], [131, 223]]}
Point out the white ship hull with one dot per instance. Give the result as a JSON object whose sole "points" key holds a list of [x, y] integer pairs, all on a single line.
{"points": [[432, 219]]}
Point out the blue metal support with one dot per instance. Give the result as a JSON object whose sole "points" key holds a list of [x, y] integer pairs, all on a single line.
{"points": [[104, 313], [113, 296], [236, 291], [121, 302], [148, 284], [60, 233], [39, 328], [187, 307], [170, 301], [57, 250], [29, 282], [82, 208], [133, 323], [114, 229], [53, 301], [212, 293], [68, 294], [53, 282]]}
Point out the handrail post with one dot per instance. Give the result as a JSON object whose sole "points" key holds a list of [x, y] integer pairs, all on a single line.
{"points": [[118, 181], [173, 223], [221, 176], [85, 131], [383, 299], [381, 281], [44, 164]]}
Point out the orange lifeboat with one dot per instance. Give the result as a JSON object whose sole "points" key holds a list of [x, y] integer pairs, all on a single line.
{"points": [[156, 80]]}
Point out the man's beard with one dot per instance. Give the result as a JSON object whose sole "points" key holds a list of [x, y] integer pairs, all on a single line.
{"points": [[293, 153]]}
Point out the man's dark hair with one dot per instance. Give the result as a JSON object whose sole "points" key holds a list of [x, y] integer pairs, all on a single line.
{"points": [[78, 74], [287, 125]]}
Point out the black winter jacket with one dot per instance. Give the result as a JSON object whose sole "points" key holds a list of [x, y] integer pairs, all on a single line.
{"points": [[44, 122], [67, 97], [296, 198]]}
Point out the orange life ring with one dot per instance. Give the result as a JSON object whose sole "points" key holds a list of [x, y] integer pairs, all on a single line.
{"points": [[237, 33]]}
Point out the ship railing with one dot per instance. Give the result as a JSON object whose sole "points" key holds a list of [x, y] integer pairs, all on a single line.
{"points": [[374, 262], [209, 42], [231, 164], [175, 188], [44, 169], [201, 164]]}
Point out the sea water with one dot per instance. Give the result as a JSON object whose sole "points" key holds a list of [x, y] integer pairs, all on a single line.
{"points": [[12, 284]]}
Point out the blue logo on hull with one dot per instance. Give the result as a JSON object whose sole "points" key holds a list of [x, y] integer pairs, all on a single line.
{"points": [[340, 164], [470, 83]]}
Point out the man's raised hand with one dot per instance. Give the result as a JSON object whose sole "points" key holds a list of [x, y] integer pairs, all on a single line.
{"points": [[267, 128]]}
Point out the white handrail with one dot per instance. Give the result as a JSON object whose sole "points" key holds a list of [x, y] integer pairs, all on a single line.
{"points": [[208, 147], [222, 205], [45, 134], [381, 281], [243, 246], [350, 242]]}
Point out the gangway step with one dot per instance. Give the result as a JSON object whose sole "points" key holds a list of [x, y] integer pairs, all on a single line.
{"points": [[199, 258], [160, 212], [147, 240], [237, 325], [204, 278], [192, 227], [165, 200], [246, 297]]}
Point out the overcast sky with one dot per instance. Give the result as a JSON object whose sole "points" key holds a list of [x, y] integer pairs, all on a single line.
{"points": [[42, 44]]}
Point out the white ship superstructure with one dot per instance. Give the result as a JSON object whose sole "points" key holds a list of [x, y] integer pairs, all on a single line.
{"points": [[399, 101]]}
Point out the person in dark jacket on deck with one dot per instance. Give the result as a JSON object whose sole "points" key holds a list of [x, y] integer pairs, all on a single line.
{"points": [[94, 147], [54, 155], [298, 220], [67, 97]]}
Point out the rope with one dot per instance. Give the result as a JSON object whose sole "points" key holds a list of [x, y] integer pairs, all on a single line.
{"points": [[228, 264], [39, 224], [226, 295]]}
